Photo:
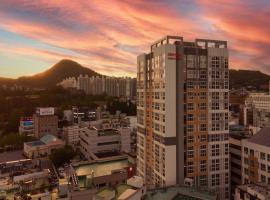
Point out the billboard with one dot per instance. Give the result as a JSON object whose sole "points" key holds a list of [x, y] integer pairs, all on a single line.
{"points": [[45, 111]]}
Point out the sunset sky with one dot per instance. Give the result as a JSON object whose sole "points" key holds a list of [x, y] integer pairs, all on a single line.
{"points": [[107, 35]]}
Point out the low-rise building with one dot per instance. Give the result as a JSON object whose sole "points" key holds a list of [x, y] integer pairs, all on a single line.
{"points": [[42, 147], [257, 110], [102, 174], [134, 189], [26, 126], [252, 192], [33, 180], [71, 135], [95, 140]]}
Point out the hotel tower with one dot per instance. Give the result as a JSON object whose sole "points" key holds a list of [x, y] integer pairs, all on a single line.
{"points": [[182, 112]]}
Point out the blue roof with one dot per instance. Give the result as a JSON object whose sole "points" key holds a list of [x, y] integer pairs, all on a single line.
{"points": [[36, 143], [46, 139]]}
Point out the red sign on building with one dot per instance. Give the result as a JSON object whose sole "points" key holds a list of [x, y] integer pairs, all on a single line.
{"points": [[174, 56]]}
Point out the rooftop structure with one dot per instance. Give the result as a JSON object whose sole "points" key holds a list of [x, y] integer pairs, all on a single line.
{"points": [[252, 191], [42, 147], [103, 173], [179, 193]]}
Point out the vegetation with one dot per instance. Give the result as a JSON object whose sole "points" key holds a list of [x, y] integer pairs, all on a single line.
{"points": [[14, 141], [63, 155], [16, 104], [244, 78], [54, 75]]}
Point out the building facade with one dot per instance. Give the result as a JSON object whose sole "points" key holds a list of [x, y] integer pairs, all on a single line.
{"points": [[96, 139], [45, 122], [71, 135], [256, 158], [237, 135], [99, 85], [257, 107], [182, 114]]}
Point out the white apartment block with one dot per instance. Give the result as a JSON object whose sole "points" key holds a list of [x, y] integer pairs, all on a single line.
{"points": [[256, 158], [71, 135], [69, 82], [98, 85], [259, 105], [105, 135], [182, 114]]}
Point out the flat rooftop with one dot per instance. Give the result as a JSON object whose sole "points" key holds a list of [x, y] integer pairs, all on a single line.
{"points": [[101, 168], [11, 156], [179, 193]]}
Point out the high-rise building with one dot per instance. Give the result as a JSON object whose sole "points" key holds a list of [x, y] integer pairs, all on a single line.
{"points": [[182, 113]]}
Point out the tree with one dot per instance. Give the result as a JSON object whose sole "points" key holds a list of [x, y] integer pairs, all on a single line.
{"points": [[62, 155]]}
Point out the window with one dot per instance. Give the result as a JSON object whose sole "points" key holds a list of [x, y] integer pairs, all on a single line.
{"points": [[215, 150], [190, 117], [263, 179], [190, 167], [262, 156], [203, 138], [215, 165], [246, 150], [190, 152], [203, 150], [203, 127], [190, 128], [263, 167], [203, 166], [190, 106], [190, 139], [202, 106]]}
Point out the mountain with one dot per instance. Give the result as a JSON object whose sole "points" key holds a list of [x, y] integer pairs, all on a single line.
{"points": [[68, 68], [49, 78], [244, 78]]}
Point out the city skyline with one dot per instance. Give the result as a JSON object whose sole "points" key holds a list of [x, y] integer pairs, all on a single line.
{"points": [[107, 36]]}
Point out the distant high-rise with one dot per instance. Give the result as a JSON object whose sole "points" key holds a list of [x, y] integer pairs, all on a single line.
{"points": [[182, 111]]}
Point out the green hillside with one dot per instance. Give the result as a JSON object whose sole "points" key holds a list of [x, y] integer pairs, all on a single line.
{"points": [[243, 78]]}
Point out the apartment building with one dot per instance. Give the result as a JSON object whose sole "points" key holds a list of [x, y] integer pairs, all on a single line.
{"points": [[104, 137], [182, 114], [256, 158], [112, 86], [257, 107], [45, 122]]}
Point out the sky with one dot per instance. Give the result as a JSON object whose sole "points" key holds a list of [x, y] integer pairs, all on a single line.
{"points": [[107, 35]]}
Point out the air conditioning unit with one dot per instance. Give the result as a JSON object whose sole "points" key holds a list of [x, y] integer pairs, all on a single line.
{"points": [[188, 182]]}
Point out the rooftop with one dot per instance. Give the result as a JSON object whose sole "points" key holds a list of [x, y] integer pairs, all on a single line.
{"points": [[262, 137], [46, 139], [260, 188], [102, 168], [179, 193]]}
